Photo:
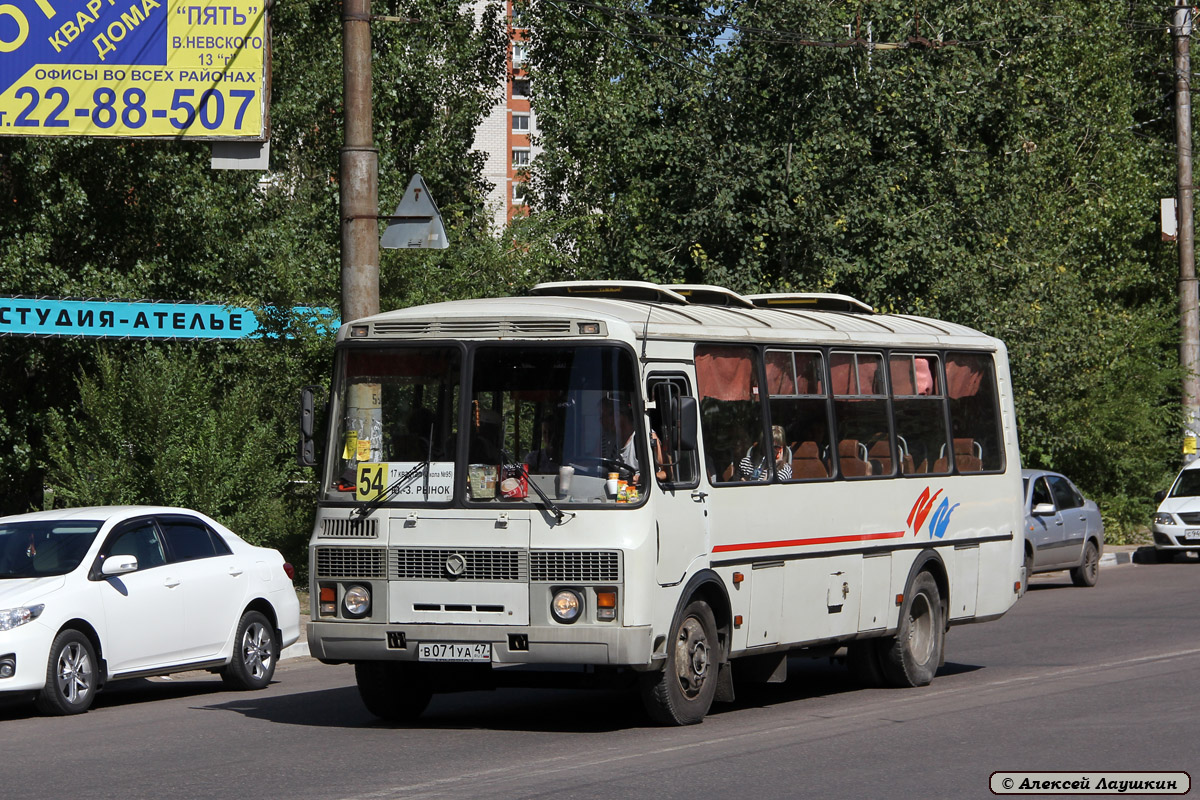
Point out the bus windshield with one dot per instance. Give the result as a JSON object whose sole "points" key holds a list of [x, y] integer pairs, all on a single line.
{"points": [[559, 419], [564, 418], [399, 409]]}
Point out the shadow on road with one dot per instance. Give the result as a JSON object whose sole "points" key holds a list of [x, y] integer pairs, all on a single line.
{"points": [[541, 710], [549, 710], [125, 693]]}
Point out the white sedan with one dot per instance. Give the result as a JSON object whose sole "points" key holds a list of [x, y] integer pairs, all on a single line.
{"points": [[90, 595]]}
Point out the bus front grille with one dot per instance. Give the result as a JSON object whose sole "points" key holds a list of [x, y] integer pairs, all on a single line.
{"points": [[575, 566], [468, 564], [351, 562], [350, 529]]}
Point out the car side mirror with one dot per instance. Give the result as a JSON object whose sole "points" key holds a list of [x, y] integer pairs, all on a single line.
{"points": [[1044, 510], [1159, 496], [118, 565]]}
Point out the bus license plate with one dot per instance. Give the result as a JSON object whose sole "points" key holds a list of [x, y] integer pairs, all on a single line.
{"points": [[450, 651], [1191, 534]]}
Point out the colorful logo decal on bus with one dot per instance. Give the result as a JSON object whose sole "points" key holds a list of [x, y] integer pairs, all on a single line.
{"points": [[941, 517]]}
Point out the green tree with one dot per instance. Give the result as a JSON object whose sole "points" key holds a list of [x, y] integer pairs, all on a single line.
{"points": [[996, 164]]}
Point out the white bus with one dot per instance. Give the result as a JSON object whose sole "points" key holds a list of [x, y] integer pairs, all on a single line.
{"points": [[670, 486]]}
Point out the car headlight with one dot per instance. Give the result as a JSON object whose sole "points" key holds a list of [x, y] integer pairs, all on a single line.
{"points": [[566, 606], [356, 602], [14, 617], [1164, 519]]}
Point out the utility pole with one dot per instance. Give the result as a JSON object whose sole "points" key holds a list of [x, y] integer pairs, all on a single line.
{"points": [[1189, 302], [359, 210], [359, 178]]}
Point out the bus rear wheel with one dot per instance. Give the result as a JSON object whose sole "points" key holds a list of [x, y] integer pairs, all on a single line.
{"points": [[911, 657], [390, 691], [683, 691]]}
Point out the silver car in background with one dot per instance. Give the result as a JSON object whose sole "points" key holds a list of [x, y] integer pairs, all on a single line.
{"points": [[1063, 529]]}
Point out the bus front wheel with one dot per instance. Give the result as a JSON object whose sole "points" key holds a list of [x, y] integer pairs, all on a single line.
{"points": [[390, 691], [683, 691], [911, 657]]}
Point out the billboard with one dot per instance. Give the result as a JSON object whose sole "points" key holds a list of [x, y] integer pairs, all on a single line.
{"points": [[129, 319], [185, 69]]}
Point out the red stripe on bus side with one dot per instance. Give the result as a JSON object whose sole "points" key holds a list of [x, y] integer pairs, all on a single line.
{"points": [[728, 548]]}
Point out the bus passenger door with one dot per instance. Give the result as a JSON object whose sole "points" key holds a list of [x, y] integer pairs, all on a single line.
{"points": [[681, 509]]}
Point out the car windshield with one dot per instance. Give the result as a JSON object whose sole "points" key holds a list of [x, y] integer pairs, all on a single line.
{"points": [[1187, 484], [42, 548]]}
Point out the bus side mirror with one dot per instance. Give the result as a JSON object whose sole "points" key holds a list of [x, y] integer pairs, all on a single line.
{"points": [[306, 455], [688, 419], [1159, 496]]}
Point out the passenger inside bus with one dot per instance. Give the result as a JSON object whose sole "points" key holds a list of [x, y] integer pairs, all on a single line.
{"points": [[754, 466]]}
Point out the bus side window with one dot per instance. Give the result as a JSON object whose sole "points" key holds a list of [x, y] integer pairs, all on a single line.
{"points": [[731, 413], [974, 412], [672, 423], [918, 405], [860, 406], [796, 389]]}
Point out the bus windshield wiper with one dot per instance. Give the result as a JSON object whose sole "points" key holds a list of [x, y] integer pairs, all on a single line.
{"points": [[369, 507], [547, 503]]}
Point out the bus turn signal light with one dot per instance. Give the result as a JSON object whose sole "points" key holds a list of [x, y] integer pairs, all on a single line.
{"points": [[606, 604], [328, 601]]}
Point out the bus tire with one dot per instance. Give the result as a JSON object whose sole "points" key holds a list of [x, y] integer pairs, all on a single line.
{"points": [[682, 692], [389, 691], [862, 659], [911, 657]]}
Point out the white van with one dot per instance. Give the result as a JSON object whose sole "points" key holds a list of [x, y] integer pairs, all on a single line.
{"points": [[1177, 522]]}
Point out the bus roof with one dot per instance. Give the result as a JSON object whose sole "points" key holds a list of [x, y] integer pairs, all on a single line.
{"points": [[637, 310]]}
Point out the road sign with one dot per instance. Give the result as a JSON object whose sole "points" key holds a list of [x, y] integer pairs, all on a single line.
{"points": [[417, 223], [190, 69]]}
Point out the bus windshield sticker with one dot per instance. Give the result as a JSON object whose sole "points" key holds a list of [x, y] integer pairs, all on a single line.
{"points": [[374, 478]]}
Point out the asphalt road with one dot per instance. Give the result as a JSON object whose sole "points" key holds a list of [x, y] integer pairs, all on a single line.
{"points": [[1070, 679]]}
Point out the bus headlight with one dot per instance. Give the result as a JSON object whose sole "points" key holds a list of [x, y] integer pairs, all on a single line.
{"points": [[356, 602], [567, 606], [1164, 519]]}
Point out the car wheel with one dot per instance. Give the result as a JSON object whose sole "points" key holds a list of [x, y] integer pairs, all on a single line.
{"points": [[255, 652], [1087, 573], [911, 657], [71, 679], [1028, 568], [392, 690], [683, 691]]}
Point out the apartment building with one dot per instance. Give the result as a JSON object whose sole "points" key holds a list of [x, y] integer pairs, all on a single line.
{"points": [[506, 132]]}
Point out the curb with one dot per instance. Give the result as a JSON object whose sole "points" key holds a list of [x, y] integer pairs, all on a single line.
{"points": [[298, 650], [1111, 559]]}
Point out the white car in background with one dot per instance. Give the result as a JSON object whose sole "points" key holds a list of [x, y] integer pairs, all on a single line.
{"points": [[1177, 521], [91, 595]]}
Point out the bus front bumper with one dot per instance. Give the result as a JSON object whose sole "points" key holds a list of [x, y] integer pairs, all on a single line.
{"points": [[337, 642]]}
